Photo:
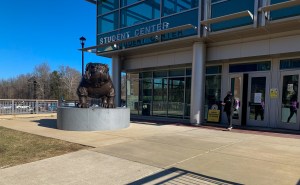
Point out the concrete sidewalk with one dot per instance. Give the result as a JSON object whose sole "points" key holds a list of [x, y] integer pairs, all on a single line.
{"points": [[159, 154]]}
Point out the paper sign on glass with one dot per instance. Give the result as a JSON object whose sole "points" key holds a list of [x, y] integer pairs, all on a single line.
{"points": [[257, 97]]}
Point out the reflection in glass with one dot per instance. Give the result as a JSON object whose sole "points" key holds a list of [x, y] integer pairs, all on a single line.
{"points": [[146, 96], [222, 8], [212, 92], [188, 17], [257, 98], [289, 98], [128, 2], [236, 92], [107, 6], [133, 92], [160, 96], [160, 93], [187, 104], [176, 97], [108, 22], [285, 12], [133, 14], [171, 6]]}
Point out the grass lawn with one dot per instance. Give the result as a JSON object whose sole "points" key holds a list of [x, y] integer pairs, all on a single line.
{"points": [[19, 147]]}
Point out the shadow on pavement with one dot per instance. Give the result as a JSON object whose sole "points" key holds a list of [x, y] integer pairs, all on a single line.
{"points": [[49, 123], [180, 176]]}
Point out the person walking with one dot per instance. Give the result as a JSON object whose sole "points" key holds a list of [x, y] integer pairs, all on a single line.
{"points": [[293, 106], [229, 104]]}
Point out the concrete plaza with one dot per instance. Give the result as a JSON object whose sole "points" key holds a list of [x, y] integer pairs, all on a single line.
{"points": [[150, 153]]}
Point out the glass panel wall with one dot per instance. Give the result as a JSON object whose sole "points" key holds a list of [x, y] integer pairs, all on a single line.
{"points": [[175, 6], [187, 104], [164, 93], [212, 88], [141, 17], [290, 63], [128, 2], [259, 66], [189, 17], [140, 13], [108, 22], [176, 97], [133, 92], [106, 6], [285, 12], [160, 96], [221, 8]]}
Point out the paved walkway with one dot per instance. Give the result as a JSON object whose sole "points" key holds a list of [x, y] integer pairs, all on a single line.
{"points": [[148, 153]]}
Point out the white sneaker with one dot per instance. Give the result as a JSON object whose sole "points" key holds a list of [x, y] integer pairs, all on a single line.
{"points": [[229, 128]]}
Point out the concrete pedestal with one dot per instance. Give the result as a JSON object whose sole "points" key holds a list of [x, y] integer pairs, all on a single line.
{"points": [[92, 119]]}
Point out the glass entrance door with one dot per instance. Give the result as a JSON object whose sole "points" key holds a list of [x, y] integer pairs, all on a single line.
{"points": [[258, 99], [289, 114], [236, 87]]}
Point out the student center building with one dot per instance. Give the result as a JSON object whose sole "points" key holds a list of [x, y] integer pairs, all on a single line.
{"points": [[181, 57]]}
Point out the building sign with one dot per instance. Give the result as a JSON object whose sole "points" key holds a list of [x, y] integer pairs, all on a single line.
{"points": [[135, 33]]}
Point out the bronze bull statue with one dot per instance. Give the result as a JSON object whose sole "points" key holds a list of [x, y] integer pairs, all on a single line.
{"points": [[96, 83]]}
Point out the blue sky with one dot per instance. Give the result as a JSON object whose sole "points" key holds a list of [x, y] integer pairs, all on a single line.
{"points": [[37, 31]]}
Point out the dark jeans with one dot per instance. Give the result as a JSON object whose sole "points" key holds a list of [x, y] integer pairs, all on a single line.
{"points": [[292, 112], [229, 118]]}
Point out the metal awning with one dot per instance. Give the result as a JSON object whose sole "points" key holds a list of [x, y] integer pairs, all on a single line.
{"points": [[183, 27], [227, 17]]}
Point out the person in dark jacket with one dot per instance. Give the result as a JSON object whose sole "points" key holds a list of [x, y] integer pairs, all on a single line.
{"points": [[229, 104]]}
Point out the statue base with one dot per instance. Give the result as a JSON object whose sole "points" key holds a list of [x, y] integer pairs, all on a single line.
{"points": [[92, 119]]}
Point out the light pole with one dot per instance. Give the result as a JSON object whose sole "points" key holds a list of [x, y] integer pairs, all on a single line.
{"points": [[82, 41]]}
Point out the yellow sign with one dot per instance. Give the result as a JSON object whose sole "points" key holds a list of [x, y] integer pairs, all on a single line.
{"points": [[274, 93], [213, 115]]}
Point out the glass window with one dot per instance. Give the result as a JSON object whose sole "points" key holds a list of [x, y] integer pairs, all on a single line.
{"points": [[221, 8], [140, 13], [176, 72], [107, 6], [128, 2], [188, 72], [174, 6], [190, 17], [160, 96], [290, 64], [160, 74], [187, 105], [285, 12], [261, 66], [213, 69], [176, 97], [147, 74], [108, 22], [133, 92], [146, 96], [212, 92]]}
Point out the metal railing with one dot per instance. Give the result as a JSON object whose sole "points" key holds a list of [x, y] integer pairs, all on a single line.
{"points": [[27, 106]]}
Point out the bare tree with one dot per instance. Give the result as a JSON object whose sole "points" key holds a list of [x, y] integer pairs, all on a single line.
{"points": [[70, 80], [42, 74]]}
